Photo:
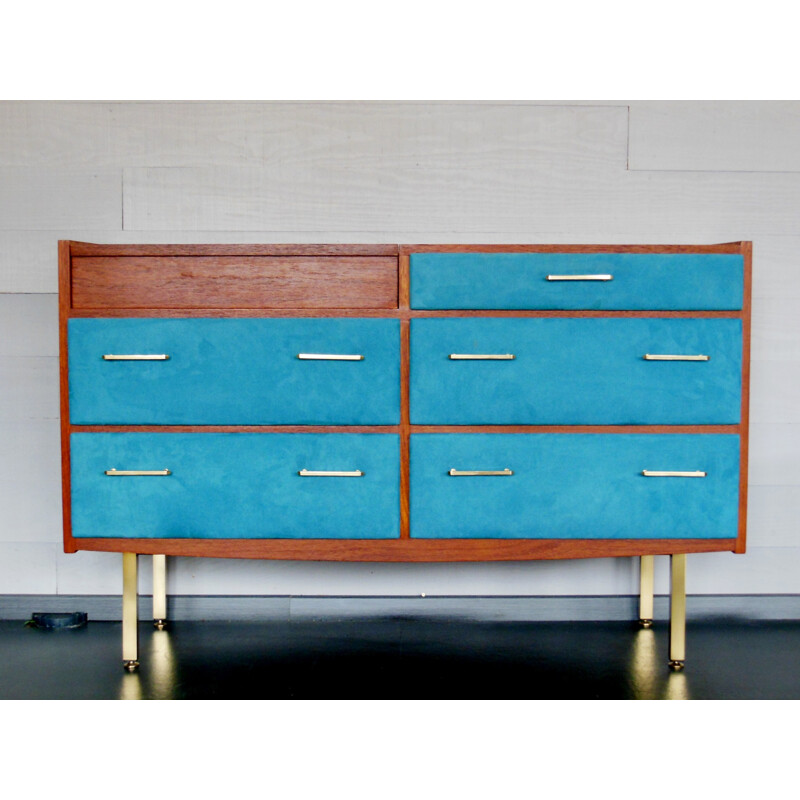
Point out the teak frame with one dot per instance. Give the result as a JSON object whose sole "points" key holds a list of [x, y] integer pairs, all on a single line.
{"points": [[404, 549]]}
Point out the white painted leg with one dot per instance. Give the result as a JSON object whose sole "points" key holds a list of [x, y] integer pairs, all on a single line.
{"points": [[677, 613], [646, 584], [160, 592], [130, 632]]}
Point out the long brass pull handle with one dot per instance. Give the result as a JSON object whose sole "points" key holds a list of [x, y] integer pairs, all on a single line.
{"points": [[650, 473], [311, 473], [460, 473], [660, 357], [138, 472], [482, 357], [328, 357], [580, 277], [135, 357]]}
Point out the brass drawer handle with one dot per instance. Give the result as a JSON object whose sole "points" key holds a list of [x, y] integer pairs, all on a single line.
{"points": [[482, 357], [328, 357], [660, 357], [650, 473], [135, 357], [138, 472], [458, 473], [580, 277], [310, 473]]}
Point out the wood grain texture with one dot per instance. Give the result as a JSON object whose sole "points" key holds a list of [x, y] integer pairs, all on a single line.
{"points": [[406, 550], [172, 251], [42, 199], [719, 136], [225, 281]]}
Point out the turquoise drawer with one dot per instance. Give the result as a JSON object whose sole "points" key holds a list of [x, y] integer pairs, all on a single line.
{"points": [[235, 485], [668, 281], [234, 372], [574, 486], [575, 372]]}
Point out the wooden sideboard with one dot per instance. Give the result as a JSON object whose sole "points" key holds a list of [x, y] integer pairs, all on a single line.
{"points": [[405, 403]]}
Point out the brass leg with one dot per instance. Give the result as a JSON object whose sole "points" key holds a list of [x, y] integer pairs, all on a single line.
{"points": [[646, 582], [160, 592], [677, 613], [130, 632]]}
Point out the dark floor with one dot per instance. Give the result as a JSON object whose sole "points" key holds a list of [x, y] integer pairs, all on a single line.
{"points": [[402, 658]]}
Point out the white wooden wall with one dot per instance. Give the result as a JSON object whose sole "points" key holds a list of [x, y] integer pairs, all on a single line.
{"points": [[645, 172]]}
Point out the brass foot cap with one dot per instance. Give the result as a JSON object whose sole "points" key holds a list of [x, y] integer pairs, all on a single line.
{"points": [[160, 624], [131, 666], [676, 666], [645, 623]]}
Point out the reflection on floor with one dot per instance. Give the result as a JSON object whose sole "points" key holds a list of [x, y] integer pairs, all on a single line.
{"points": [[402, 658]]}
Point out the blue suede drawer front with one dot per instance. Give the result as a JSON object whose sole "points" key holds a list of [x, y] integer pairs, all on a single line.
{"points": [[574, 486], [234, 372], [575, 372], [667, 281], [235, 485]]}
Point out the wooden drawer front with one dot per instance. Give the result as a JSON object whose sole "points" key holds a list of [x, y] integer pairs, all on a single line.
{"points": [[671, 281], [234, 372], [235, 485], [581, 486], [575, 372], [235, 282]]}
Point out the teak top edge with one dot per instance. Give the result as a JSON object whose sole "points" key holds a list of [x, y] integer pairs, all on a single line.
{"points": [[725, 247], [83, 249], [86, 249]]}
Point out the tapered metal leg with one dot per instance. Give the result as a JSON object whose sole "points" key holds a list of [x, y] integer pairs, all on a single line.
{"points": [[160, 592], [677, 612], [646, 583], [130, 631]]}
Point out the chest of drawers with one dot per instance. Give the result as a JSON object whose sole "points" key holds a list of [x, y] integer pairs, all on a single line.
{"points": [[405, 403]]}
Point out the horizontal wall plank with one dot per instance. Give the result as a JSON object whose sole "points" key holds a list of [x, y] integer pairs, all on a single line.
{"points": [[453, 196], [30, 388], [775, 392], [727, 136], [304, 137], [28, 567], [773, 454], [28, 325], [775, 329], [42, 199], [103, 135], [30, 481], [773, 513]]}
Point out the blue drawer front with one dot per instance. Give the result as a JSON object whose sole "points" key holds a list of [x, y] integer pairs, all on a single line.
{"points": [[575, 372], [574, 486], [671, 281], [234, 372], [235, 485]]}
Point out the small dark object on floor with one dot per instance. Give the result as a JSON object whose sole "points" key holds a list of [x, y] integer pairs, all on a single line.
{"points": [[58, 621]]}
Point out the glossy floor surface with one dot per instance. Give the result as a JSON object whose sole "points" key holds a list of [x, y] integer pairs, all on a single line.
{"points": [[402, 658]]}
